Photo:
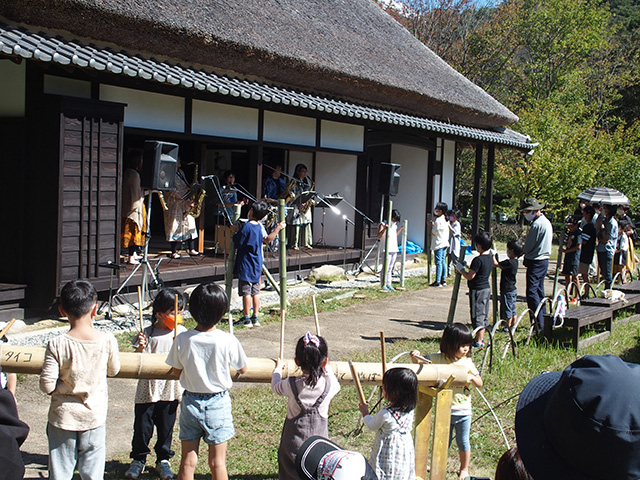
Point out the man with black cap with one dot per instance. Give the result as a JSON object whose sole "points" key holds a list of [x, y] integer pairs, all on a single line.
{"points": [[537, 249], [582, 423]]}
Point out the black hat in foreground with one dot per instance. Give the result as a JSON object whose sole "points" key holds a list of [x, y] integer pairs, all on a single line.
{"points": [[320, 459], [582, 423]]}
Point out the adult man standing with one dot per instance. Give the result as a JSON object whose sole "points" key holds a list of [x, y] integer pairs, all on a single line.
{"points": [[537, 249]]}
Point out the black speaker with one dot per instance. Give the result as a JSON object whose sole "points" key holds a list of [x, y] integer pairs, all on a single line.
{"points": [[159, 164], [389, 179]]}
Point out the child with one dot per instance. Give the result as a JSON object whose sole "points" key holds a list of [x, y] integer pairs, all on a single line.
{"points": [[439, 243], [508, 290], [74, 373], [202, 358], [571, 264], [479, 288], [248, 239], [156, 400], [394, 231], [588, 242], [622, 250], [455, 232], [308, 401], [393, 455], [454, 348]]}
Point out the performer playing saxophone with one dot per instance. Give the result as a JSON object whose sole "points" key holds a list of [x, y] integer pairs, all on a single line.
{"points": [[300, 216], [179, 224]]}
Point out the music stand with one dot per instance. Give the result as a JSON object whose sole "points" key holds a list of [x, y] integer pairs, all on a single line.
{"points": [[113, 267]]}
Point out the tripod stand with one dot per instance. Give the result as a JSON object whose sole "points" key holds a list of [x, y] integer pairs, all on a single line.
{"points": [[361, 265], [145, 264]]}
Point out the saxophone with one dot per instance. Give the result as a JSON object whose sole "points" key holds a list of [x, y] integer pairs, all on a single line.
{"points": [[163, 202], [305, 207], [197, 194], [287, 194]]}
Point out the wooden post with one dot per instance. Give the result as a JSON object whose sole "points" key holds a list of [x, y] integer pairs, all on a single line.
{"points": [[228, 276], [422, 435], [282, 257], [442, 424], [427, 247], [383, 349], [405, 225], [558, 263], [385, 268]]}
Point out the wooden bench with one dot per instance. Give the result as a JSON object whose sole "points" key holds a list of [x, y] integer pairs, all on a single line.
{"points": [[630, 300], [631, 287], [579, 317]]}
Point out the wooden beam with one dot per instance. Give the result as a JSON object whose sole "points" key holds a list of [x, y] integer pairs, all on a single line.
{"points": [[488, 199], [477, 185]]}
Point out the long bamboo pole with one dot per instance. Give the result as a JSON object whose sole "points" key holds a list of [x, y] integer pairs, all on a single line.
{"points": [[228, 276], [140, 309], [18, 359], [315, 314]]}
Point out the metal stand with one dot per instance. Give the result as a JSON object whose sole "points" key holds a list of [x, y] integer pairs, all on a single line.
{"points": [[363, 262], [113, 267]]}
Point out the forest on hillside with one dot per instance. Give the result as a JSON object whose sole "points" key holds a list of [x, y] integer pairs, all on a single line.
{"points": [[570, 70]]}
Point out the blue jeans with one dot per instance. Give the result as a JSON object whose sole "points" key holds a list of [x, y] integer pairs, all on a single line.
{"points": [[207, 416], [85, 447], [440, 256], [462, 426], [536, 271], [604, 262]]}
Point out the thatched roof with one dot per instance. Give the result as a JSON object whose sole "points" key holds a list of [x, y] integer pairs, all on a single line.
{"points": [[345, 48]]}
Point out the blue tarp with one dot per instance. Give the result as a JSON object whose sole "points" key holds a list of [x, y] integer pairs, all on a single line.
{"points": [[412, 248]]}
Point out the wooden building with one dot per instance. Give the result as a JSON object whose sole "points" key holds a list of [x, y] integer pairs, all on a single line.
{"points": [[335, 84]]}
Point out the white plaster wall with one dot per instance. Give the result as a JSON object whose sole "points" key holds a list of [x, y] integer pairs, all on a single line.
{"points": [[292, 129], [69, 87], [12, 86], [146, 109], [341, 135], [412, 191], [223, 120], [336, 173], [448, 169]]}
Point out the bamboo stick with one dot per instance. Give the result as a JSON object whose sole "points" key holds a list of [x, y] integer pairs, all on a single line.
{"points": [[175, 318], [281, 335], [140, 309], [315, 315], [383, 348], [354, 374], [7, 327], [19, 359]]}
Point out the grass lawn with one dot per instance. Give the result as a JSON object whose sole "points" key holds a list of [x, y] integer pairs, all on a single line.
{"points": [[259, 414]]}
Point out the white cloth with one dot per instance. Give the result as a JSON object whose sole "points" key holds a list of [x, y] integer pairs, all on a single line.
{"points": [[178, 224], [74, 373], [156, 390], [440, 233], [132, 197], [454, 238], [306, 394], [393, 238], [205, 358], [392, 455]]}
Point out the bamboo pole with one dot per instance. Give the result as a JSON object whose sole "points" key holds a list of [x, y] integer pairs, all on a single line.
{"points": [[383, 349], [405, 224], [281, 356], [19, 359], [454, 298], [315, 315], [175, 318], [140, 309], [354, 374], [282, 256], [228, 278], [423, 415], [442, 425], [386, 266]]}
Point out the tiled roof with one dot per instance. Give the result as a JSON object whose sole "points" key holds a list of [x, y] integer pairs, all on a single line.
{"points": [[20, 42]]}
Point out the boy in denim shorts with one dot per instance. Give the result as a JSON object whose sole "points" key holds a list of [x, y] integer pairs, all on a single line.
{"points": [[248, 239], [202, 358], [508, 289]]}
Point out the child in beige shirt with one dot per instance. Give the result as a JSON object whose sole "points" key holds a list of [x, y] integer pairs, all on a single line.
{"points": [[74, 373]]}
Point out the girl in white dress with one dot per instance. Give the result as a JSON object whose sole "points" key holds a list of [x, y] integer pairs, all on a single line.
{"points": [[393, 456]]}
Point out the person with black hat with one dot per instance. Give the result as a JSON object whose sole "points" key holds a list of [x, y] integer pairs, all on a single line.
{"points": [[582, 423], [536, 250], [320, 459]]}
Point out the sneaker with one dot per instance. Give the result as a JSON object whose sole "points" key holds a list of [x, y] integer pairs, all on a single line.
{"points": [[255, 321], [247, 322], [435, 284], [385, 289], [478, 345], [163, 467], [239, 323], [391, 289], [135, 470]]}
